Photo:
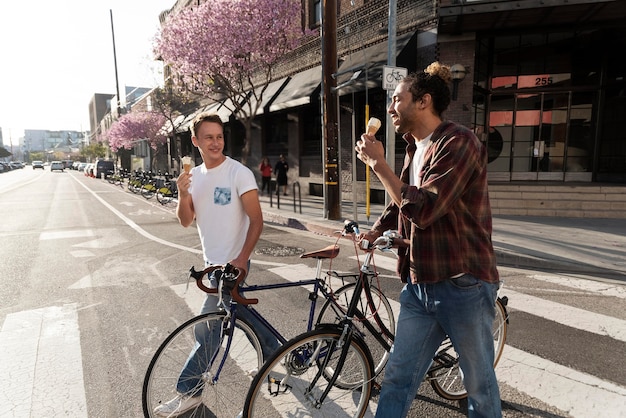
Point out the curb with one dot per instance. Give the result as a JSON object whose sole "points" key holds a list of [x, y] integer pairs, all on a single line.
{"points": [[504, 257]]}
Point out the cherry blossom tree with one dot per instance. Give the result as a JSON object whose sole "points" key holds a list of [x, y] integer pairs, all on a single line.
{"points": [[136, 126], [226, 50]]}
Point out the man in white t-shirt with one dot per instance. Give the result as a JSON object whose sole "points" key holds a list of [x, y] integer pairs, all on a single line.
{"points": [[221, 196]]}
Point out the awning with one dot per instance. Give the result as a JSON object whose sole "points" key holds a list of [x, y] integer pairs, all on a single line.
{"points": [[298, 91], [370, 62], [188, 119], [273, 89]]}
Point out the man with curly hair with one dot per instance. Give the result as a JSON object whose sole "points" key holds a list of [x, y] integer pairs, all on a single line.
{"points": [[441, 206]]}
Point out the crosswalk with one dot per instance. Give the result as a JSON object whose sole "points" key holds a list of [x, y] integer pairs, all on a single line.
{"points": [[576, 393], [40, 350]]}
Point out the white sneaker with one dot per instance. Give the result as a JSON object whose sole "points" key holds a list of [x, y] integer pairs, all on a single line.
{"points": [[177, 406]]}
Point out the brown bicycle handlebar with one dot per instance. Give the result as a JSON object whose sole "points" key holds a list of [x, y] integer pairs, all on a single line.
{"points": [[234, 292]]}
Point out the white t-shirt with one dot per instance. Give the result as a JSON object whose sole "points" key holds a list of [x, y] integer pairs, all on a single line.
{"points": [[221, 219], [418, 161]]}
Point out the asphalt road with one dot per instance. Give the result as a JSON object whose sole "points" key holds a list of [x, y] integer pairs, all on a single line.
{"points": [[94, 278]]}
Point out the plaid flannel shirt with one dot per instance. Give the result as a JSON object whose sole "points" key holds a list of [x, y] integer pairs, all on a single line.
{"points": [[448, 218]]}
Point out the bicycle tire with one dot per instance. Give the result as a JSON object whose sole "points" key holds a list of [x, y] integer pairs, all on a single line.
{"points": [[133, 186], [330, 314], [148, 192], [224, 397], [289, 366], [448, 382], [164, 195]]}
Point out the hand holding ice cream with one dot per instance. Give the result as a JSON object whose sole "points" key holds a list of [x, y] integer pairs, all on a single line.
{"points": [[369, 150]]}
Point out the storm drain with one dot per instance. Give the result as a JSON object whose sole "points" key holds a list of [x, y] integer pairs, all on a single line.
{"points": [[279, 251]]}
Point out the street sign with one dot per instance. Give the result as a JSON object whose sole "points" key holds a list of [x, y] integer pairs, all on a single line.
{"points": [[392, 76]]}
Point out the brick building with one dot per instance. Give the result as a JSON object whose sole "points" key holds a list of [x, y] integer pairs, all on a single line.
{"points": [[542, 86]]}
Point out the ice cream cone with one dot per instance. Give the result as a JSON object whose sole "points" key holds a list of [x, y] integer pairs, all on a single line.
{"points": [[372, 126], [186, 161]]}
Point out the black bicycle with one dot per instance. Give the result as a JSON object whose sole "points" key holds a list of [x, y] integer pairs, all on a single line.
{"points": [[329, 372]]}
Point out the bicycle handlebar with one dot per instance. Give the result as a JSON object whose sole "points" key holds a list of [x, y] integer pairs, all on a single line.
{"points": [[232, 278]]}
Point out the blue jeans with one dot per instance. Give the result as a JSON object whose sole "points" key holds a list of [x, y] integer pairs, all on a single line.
{"points": [[208, 340], [462, 308]]}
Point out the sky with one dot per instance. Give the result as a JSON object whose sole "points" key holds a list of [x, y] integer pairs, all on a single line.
{"points": [[55, 55]]}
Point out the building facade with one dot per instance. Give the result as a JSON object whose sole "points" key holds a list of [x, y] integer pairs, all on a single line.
{"points": [[540, 82]]}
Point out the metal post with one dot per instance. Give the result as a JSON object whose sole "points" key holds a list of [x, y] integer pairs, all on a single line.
{"points": [[391, 61]]}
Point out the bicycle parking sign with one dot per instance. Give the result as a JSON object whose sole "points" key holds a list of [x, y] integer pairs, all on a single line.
{"points": [[392, 76]]}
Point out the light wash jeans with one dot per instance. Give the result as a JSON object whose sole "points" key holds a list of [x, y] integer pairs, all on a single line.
{"points": [[207, 341], [462, 308]]}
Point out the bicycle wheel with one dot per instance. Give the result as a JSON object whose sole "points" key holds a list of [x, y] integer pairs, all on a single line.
{"points": [[164, 195], [293, 381], [222, 395], [147, 191], [334, 312], [446, 377]]}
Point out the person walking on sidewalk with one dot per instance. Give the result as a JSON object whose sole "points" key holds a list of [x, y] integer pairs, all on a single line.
{"points": [[221, 196], [441, 203], [266, 174], [281, 169]]}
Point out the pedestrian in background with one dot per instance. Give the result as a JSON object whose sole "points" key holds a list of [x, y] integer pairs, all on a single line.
{"points": [[221, 196], [266, 174], [281, 169], [442, 205]]}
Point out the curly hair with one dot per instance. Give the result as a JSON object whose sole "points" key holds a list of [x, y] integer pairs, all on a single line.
{"points": [[433, 80]]}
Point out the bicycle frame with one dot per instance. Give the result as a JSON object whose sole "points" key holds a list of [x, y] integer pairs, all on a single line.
{"points": [[319, 287]]}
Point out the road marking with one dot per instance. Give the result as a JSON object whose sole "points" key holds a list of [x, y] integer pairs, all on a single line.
{"points": [[136, 227], [579, 394], [41, 371], [80, 233], [568, 315], [605, 289]]}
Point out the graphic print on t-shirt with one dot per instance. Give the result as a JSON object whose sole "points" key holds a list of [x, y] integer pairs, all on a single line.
{"points": [[221, 196]]}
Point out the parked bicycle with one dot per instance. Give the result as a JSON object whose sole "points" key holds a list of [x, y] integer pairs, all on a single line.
{"points": [[168, 191], [149, 185], [135, 181], [118, 177], [237, 352], [330, 371]]}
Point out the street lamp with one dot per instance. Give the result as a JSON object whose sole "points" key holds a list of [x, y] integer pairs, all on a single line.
{"points": [[458, 73]]}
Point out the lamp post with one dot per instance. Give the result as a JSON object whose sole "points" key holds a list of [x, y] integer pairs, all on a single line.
{"points": [[458, 74]]}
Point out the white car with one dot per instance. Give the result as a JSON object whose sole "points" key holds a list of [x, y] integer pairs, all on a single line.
{"points": [[57, 165]]}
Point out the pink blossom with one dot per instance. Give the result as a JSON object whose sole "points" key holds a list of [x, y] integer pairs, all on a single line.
{"points": [[135, 126]]}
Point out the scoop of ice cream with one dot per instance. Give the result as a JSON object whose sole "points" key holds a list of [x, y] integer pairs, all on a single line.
{"points": [[186, 164], [372, 126]]}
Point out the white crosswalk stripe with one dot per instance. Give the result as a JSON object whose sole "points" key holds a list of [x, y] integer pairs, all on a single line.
{"points": [[41, 371]]}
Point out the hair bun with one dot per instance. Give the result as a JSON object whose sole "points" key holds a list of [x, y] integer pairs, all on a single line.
{"points": [[440, 70]]}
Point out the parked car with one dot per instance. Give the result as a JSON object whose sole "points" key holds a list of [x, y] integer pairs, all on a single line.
{"points": [[37, 164], [16, 164], [103, 167], [57, 165], [81, 166]]}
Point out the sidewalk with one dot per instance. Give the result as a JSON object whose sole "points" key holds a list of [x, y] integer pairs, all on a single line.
{"points": [[574, 245]]}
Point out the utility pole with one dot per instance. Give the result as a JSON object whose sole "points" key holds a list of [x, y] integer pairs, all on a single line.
{"points": [[329, 115], [117, 83]]}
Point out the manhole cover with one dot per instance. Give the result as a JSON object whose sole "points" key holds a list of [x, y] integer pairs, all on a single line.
{"points": [[279, 251]]}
